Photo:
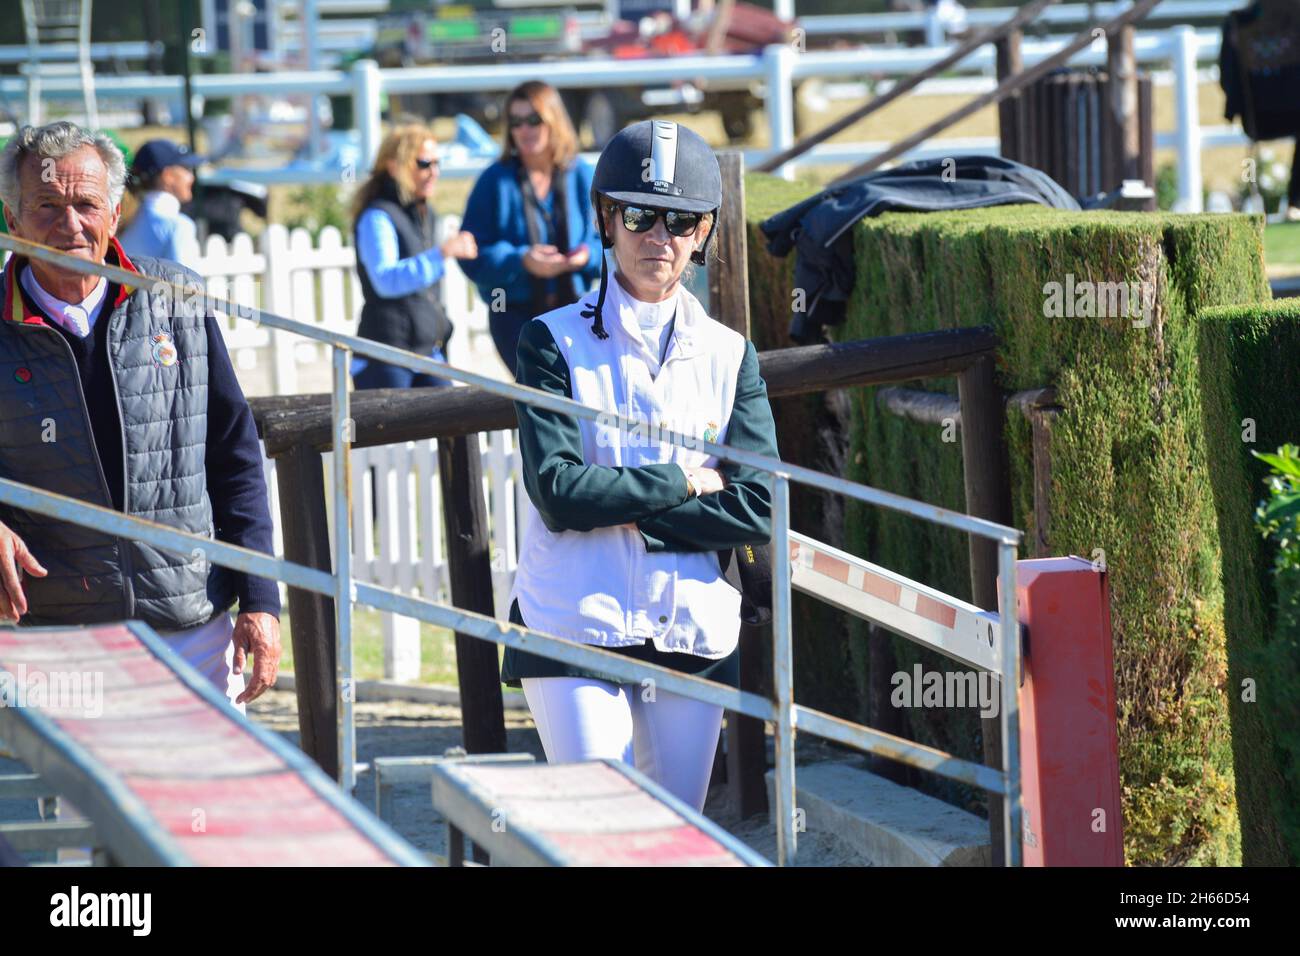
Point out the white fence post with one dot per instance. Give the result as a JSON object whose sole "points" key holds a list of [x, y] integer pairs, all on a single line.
{"points": [[1190, 186], [365, 110], [935, 33], [277, 298], [779, 60]]}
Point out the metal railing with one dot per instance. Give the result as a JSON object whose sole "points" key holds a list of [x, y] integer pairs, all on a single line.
{"points": [[777, 69], [783, 711]]}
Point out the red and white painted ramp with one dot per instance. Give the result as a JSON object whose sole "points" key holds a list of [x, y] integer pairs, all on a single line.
{"points": [[167, 771]]}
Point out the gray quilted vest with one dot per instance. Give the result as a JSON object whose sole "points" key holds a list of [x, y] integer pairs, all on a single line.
{"points": [[157, 352]]}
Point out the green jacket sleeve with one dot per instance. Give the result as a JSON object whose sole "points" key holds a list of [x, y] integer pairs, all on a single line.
{"points": [[569, 494], [741, 513]]}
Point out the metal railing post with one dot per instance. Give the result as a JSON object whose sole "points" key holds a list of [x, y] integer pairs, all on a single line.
{"points": [[343, 571], [783, 670], [366, 87], [779, 61], [1189, 120], [1010, 710]]}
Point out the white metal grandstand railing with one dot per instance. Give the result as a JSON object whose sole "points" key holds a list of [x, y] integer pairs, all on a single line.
{"points": [[1002, 630]]}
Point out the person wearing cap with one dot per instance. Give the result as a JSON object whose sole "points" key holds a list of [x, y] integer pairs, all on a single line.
{"points": [[530, 213], [123, 395], [622, 534], [162, 178]]}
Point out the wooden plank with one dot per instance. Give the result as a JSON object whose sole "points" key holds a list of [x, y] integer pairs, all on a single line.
{"points": [[988, 495], [1040, 420], [385, 416], [742, 763], [460, 470], [973, 42], [1010, 61], [301, 480], [728, 272], [1013, 85], [1122, 106], [1147, 141]]}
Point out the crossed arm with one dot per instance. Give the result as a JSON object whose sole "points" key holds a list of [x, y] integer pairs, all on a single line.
{"points": [[571, 495]]}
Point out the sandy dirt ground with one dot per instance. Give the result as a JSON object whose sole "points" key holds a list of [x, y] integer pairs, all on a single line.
{"points": [[405, 728]]}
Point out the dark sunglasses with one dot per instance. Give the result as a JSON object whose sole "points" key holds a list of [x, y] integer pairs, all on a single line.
{"points": [[642, 219], [427, 163], [532, 119]]}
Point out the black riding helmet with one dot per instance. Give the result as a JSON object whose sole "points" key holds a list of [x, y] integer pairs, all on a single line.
{"points": [[658, 164]]}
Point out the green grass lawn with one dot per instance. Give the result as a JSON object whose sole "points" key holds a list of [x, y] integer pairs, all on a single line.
{"points": [[437, 649], [1282, 244]]}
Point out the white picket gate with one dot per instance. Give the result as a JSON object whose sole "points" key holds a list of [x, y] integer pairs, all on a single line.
{"points": [[284, 273], [398, 538]]}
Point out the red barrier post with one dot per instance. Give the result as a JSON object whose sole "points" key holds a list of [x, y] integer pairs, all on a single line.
{"points": [[1069, 743]]}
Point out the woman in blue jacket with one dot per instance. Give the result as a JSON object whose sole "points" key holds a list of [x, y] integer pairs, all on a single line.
{"points": [[530, 212]]}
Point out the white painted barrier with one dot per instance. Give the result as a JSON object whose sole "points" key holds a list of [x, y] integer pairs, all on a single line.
{"points": [[285, 273], [774, 70], [398, 539]]}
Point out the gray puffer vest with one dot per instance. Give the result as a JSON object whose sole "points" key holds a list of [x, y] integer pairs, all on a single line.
{"points": [[157, 353]]}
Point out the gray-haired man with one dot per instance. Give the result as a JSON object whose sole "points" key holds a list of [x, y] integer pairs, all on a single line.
{"points": [[122, 396]]}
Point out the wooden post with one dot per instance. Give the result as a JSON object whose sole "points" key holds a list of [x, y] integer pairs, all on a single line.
{"points": [[1146, 138], [460, 472], [301, 480], [1040, 422], [988, 495], [728, 274], [1010, 125], [1122, 106], [746, 752]]}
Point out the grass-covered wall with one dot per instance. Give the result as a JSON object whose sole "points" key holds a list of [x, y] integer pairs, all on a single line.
{"points": [[1250, 379], [1132, 452]]}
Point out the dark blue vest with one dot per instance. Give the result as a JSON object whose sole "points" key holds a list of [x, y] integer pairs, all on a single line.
{"points": [[157, 353]]}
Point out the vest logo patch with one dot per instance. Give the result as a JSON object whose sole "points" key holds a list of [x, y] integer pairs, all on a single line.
{"points": [[164, 350], [711, 433], [22, 375]]}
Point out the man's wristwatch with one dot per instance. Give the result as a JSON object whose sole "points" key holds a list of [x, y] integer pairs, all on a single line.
{"points": [[691, 490]]}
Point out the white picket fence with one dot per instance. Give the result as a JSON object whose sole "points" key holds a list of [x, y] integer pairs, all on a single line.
{"points": [[398, 537], [284, 273]]}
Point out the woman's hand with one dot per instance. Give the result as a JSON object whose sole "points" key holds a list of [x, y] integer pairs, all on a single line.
{"points": [[706, 481], [460, 246], [545, 261], [578, 258]]}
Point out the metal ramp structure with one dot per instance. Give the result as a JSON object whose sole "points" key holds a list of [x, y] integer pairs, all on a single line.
{"points": [[50, 22], [993, 640], [166, 772]]}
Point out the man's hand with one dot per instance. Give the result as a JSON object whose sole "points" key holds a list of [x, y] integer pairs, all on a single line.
{"points": [[15, 559], [257, 633]]}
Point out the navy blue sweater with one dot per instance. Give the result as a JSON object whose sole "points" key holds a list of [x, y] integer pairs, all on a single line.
{"points": [[236, 486]]}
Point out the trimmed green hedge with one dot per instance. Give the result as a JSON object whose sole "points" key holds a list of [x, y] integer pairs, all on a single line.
{"points": [[1249, 366], [1132, 455]]}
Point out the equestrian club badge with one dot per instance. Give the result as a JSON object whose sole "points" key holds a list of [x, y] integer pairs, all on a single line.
{"points": [[164, 350]]}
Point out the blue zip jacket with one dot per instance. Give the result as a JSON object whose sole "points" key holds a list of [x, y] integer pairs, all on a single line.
{"points": [[495, 215]]}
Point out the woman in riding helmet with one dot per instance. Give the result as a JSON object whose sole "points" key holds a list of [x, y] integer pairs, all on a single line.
{"points": [[621, 544]]}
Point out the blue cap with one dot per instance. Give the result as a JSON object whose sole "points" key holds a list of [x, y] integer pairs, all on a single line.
{"points": [[157, 154]]}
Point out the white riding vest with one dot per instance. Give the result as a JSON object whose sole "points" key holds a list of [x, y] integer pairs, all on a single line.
{"points": [[602, 586]]}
